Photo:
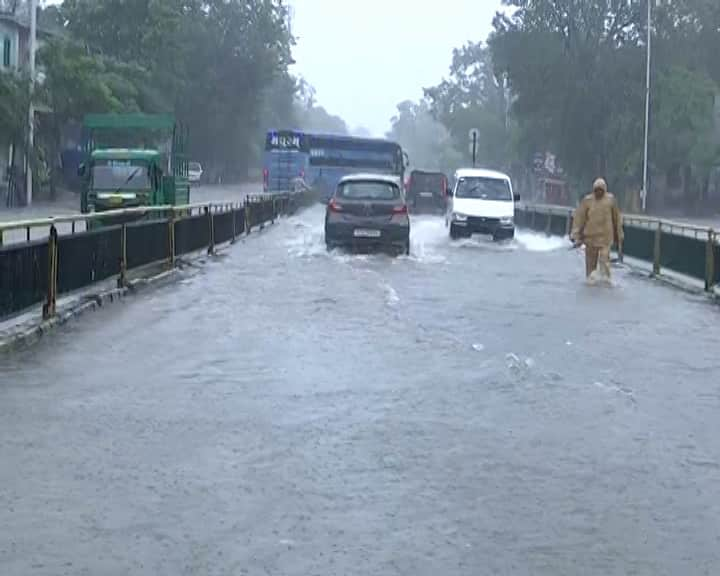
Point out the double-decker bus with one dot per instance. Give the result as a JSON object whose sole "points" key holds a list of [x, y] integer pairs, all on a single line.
{"points": [[321, 160]]}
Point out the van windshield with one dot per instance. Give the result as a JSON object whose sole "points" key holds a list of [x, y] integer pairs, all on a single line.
{"points": [[484, 189]]}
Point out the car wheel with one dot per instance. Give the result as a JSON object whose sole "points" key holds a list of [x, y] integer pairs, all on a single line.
{"points": [[454, 233]]}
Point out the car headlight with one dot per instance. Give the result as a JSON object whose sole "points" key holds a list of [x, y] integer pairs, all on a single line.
{"points": [[459, 217], [507, 220]]}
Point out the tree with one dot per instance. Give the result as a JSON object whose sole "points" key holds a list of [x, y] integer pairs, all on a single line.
{"points": [[426, 140], [211, 62], [77, 83], [576, 70], [473, 97], [14, 103]]}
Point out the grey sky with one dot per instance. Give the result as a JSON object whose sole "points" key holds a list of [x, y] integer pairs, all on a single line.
{"points": [[365, 56]]}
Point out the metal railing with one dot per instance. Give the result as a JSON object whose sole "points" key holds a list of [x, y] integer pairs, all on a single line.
{"points": [[683, 248], [63, 254]]}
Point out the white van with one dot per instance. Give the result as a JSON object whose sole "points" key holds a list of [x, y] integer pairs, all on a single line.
{"points": [[481, 202]]}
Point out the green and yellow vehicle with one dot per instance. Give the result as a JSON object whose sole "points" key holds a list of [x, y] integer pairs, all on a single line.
{"points": [[133, 160]]}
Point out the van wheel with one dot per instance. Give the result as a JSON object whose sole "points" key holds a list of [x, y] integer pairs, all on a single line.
{"points": [[455, 233]]}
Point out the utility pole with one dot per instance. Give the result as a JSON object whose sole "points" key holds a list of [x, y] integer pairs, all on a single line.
{"points": [[31, 108], [644, 191]]}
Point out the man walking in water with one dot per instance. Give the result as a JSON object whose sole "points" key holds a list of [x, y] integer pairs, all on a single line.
{"points": [[598, 224]]}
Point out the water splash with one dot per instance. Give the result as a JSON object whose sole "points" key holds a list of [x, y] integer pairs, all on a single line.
{"points": [[428, 237], [534, 242], [391, 296]]}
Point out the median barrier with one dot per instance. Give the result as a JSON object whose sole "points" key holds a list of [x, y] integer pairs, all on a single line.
{"points": [[38, 271]]}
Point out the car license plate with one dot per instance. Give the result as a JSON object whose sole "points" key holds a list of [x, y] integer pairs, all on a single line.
{"points": [[426, 194], [363, 233]]}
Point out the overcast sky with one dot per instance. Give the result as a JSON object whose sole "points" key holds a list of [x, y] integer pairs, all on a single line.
{"points": [[365, 56]]}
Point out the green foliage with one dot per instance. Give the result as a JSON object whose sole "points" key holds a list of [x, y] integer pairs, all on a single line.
{"points": [[14, 101], [313, 118], [219, 65], [473, 97], [427, 142]]}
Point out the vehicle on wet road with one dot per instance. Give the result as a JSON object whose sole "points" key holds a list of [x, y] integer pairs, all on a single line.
{"points": [[427, 192], [133, 160], [368, 211], [195, 172], [481, 202]]}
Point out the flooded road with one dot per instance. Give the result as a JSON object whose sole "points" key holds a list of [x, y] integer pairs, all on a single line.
{"points": [[471, 409]]}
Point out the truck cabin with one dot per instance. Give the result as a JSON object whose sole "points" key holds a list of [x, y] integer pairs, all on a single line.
{"points": [[121, 178]]}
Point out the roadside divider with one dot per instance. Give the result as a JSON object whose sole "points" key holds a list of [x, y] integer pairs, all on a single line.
{"points": [[99, 246], [693, 251]]}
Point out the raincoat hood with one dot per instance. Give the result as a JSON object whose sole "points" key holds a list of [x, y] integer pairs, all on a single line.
{"points": [[601, 185]]}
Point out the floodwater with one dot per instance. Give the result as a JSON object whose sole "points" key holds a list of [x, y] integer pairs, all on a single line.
{"points": [[473, 408]]}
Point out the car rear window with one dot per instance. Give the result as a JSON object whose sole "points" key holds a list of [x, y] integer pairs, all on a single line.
{"points": [[368, 191], [427, 182]]}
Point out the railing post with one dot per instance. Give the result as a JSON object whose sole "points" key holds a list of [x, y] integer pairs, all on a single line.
{"points": [[50, 304], [211, 224], [233, 209], [171, 238], [568, 223], [248, 222], [710, 261], [548, 226], [122, 279], [656, 250]]}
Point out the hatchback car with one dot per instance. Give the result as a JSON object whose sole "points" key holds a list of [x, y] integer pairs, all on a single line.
{"points": [[368, 211], [481, 202]]}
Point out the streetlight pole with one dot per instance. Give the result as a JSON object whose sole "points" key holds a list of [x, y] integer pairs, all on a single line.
{"points": [[643, 193], [31, 108]]}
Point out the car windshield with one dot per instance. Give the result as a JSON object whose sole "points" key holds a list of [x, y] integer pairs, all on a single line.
{"points": [[368, 191], [120, 175], [484, 189]]}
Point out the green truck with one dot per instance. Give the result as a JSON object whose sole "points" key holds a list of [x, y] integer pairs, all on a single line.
{"points": [[133, 160]]}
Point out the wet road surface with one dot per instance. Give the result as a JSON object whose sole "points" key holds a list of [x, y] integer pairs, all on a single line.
{"points": [[471, 409]]}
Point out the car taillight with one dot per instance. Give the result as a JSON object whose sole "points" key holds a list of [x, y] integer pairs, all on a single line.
{"points": [[333, 206], [266, 178], [400, 209], [444, 185]]}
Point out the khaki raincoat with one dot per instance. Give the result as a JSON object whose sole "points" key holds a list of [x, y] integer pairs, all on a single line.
{"points": [[598, 222], [598, 225]]}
